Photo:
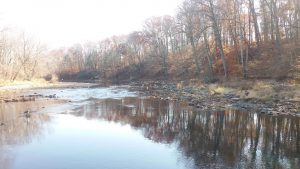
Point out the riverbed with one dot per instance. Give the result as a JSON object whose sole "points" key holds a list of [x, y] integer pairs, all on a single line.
{"points": [[117, 128]]}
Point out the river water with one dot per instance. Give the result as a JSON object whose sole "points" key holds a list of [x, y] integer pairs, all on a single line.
{"points": [[113, 128]]}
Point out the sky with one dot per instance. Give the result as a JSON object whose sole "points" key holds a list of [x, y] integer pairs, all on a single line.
{"points": [[65, 22]]}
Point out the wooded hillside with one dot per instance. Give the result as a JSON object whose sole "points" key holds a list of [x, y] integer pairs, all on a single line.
{"points": [[206, 39]]}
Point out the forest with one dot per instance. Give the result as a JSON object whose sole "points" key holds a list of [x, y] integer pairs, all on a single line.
{"points": [[210, 40]]}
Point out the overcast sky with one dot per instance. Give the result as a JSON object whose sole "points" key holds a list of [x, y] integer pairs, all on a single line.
{"points": [[64, 22]]}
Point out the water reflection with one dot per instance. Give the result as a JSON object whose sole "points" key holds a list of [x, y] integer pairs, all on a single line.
{"points": [[229, 139], [18, 128]]}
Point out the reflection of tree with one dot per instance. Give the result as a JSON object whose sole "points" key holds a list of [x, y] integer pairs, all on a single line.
{"points": [[18, 128], [228, 139]]}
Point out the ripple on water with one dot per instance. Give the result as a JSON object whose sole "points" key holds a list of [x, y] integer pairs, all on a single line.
{"points": [[82, 94]]}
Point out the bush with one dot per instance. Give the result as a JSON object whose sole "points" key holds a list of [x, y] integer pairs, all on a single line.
{"points": [[48, 77], [210, 79], [87, 75], [79, 76]]}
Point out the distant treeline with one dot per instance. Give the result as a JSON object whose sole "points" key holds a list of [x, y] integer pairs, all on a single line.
{"points": [[21, 56], [207, 39]]}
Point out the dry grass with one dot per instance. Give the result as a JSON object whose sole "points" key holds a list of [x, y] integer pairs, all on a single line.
{"points": [[4, 84], [218, 89], [266, 90]]}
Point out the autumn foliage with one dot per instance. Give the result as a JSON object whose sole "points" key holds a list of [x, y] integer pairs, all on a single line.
{"points": [[207, 39]]}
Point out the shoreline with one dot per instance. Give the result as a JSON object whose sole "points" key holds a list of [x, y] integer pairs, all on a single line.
{"points": [[272, 98], [46, 85], [212, 97]]}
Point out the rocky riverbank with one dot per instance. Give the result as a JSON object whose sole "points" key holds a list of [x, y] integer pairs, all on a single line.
{"points": [[272, 98], [216, 97]]}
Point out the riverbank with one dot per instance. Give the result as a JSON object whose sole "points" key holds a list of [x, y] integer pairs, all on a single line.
{"points": [[38, 84], [12, 92], [268, 97]]}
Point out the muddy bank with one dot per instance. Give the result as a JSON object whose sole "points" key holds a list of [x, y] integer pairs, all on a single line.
{"points": [[214, 97]]}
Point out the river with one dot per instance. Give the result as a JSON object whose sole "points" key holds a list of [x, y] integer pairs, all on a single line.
{"points": [[114, 128]]}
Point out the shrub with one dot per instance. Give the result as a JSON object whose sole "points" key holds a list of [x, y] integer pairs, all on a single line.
{"points": [[210, 79], [87, 75], [48, 77]]}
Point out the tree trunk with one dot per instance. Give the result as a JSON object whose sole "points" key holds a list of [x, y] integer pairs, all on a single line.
{"points": [[232, 34], [208, 55], [254, 17], [297, 20], [242, 53], [264, 20], [276, 20], [218, 38], [194, 51], [272, 20]]}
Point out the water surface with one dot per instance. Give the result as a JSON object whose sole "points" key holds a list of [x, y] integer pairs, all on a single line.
{"points": [[127, 131]]}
